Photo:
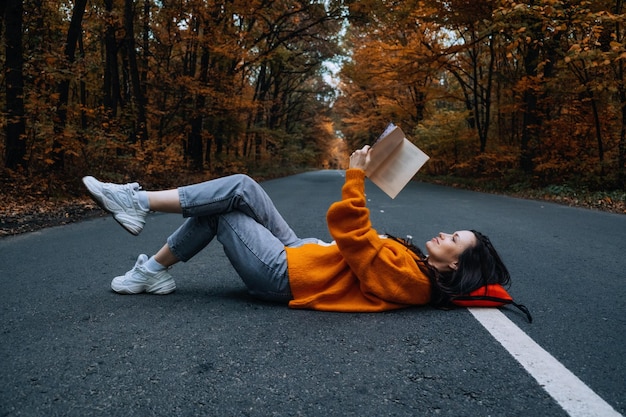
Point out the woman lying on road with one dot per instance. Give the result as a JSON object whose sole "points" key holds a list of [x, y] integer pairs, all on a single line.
{"points": [[360, 271]]}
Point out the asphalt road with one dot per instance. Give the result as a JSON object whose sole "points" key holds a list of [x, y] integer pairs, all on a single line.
{"points": [[69, 346]]}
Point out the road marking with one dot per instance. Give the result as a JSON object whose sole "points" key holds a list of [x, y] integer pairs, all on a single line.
{"points": [[576, 398]]}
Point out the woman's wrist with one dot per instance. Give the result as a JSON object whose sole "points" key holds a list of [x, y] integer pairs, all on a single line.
{"points": [[360, 158]]}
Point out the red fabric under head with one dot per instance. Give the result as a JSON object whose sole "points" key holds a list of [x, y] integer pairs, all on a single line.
{"points": [[491, 295]]}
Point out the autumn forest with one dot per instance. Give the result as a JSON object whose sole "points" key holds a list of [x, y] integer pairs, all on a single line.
{"points": [[527, 93]]}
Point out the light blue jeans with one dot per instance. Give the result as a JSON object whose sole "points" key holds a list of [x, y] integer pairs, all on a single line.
{"points": [[253, 233]]}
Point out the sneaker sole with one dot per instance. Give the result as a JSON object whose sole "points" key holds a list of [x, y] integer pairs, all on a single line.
{"points": [[168, 288], [157, 290]]}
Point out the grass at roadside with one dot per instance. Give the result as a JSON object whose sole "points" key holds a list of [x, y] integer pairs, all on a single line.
{"points": [[610, 201]]}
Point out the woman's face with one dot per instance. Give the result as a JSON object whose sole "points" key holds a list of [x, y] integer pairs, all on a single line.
{"points": [[444, 249]]}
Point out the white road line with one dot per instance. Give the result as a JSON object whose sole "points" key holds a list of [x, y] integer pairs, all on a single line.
{"points": [[576, 398]]}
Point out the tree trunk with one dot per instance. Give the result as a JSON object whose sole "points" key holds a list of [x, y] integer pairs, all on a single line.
{"points": [[15, 143], [60, 120], [530, 117], [3, 9], [195, 136], [111, 82], [141, 128], [485, 93], [598, 127], [621, 153], [259, 118], [83, 94], [146, 46], [621, 82], [419, 101]]}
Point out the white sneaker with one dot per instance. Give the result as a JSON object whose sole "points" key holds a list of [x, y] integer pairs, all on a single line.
{"points": [[139, 280], [119, 200]]}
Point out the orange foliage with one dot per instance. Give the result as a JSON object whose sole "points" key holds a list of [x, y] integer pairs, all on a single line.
{"points": [[485, 87], [540, 86]]}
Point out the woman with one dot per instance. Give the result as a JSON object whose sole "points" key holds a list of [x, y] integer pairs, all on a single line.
{"points": [[359, 271]]}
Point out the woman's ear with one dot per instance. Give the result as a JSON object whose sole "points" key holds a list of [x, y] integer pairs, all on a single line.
{"points": [[454, 265]]}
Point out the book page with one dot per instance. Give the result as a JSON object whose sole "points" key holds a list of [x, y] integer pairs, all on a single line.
{"points": [[383, 147], [393, 173], [387, 131]]}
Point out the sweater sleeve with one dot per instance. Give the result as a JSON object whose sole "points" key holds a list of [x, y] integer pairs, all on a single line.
{"points": [[385, 269]]}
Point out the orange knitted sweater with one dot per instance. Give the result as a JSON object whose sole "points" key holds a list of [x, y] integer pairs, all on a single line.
{"points": [[360, 272]]}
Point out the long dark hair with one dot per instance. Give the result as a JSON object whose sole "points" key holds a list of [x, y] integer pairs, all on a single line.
{"points": [[477, 266]]}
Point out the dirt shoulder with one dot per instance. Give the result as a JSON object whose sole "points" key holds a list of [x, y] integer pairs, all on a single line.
{"points": [[23, 212], [19, 216]]}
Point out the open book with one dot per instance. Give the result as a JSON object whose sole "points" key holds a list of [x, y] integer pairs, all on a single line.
{"points": [[394, 161]]}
